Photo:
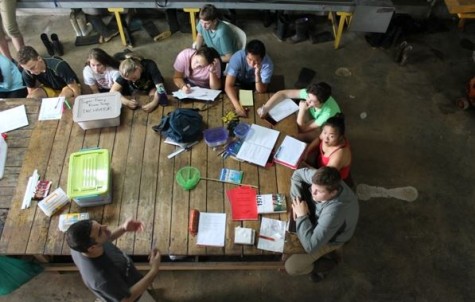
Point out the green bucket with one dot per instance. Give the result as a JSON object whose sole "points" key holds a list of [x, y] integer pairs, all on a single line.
{"points": [[188, 177]]}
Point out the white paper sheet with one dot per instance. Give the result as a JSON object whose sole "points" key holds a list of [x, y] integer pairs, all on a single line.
{"points": [[258, 145], [272, 235], [198, 93], [283, 109], [211, 229], [12, 119], [51, 109], [290, 151]]}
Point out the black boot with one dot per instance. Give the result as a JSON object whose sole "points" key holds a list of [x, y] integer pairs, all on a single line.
{"points": [[57, 46], [47, 43], [302, 26], [282, 27], [172, 20]]}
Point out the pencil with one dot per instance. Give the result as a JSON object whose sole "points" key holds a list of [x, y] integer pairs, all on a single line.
{"points": [[267, 237], [67, 104]]}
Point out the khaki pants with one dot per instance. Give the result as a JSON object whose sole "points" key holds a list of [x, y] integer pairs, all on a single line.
{"points": [[302, 264]]}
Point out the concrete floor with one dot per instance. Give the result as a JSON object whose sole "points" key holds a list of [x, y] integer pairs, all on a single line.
{"points": [[412, 135]]}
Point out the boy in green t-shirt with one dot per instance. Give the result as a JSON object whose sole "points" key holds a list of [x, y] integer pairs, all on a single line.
{"points": [[316, 107]]}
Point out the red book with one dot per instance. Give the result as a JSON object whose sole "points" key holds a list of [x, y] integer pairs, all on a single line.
{"points": [[243, 203]]}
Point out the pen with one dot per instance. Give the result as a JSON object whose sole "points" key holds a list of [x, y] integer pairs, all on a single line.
{"points": [[57, 103], [67, 104], [267, 237]]}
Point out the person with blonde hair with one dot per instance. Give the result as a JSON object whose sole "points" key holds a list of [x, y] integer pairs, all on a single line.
{"points": [[140, 76], [101, 70]]}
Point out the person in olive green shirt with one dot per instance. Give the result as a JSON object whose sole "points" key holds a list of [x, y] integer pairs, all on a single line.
{"points": [[316, 107]]}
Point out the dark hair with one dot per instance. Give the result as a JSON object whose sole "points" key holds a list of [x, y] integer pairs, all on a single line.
{"points": [[337, 122], [256, 47], [78, 236], [27, 53], [102, 57], [209, 13], [329, 177], [209, 53], [321, 90]]}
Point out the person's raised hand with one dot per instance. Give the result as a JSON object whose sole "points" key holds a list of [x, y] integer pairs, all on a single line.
{"points": [[131, 225], [154, 260]]}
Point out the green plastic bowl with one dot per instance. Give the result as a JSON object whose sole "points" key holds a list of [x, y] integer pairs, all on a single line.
{"points": [[188, 177]]}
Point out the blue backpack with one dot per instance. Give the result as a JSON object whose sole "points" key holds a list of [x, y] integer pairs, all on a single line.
{"points": [[182, 125]]}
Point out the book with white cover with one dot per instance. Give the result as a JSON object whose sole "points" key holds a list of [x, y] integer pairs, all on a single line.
{"points": [[258, 145], [283, 109], [211, 229], [290, 152]]}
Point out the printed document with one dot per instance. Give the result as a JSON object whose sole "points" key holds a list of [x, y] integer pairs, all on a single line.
{"points": [[283, 109], [211, 229], [258, 145]]}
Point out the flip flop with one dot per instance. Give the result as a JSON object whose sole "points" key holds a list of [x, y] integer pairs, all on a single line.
{"points": [[162, 36]]}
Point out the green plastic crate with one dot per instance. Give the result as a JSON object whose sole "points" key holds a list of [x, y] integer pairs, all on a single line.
{"points": [[89, 177]]}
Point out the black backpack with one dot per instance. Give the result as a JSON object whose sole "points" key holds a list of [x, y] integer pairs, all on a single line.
{"points": [[182, 125]]}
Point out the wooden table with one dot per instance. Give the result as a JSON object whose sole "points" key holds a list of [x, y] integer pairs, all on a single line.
{"points": [[465, 9], [17, 141], [143, 185]]}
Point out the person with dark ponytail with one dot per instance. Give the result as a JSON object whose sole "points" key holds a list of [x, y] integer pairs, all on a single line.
{"points": [[140, 76], [332, 147], [101, 71], [200, 68]]}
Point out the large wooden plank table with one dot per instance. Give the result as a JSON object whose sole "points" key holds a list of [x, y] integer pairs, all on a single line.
{"points": [[17, 141], [143, 186]]}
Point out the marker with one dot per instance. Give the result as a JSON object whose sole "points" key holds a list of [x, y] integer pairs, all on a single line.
{"points": [[267, 237], [67, 104]]}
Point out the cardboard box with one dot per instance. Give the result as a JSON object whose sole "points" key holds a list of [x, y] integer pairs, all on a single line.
{"points": [[97, 110], [89, 181]]}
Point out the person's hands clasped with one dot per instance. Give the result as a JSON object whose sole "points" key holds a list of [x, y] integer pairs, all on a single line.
{"points": [[131, 103], [299, 207], [131, 225], [303, 106]]}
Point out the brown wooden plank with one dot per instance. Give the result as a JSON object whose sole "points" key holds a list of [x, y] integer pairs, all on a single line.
{"points": [[180, 205], [45, 230], [15, 157], [133, 171], [10, 176], [19, 138], [6, 195], [119, 152], [460, 6], [215, 190], [148, 185], [199, 160], [16, 232], [163, 205]]}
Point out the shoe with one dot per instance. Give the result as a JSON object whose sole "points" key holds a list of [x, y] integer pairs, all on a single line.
{"points": [[57, 46], [398, 54], [47, 43], [405, 54], [105, 39], [162, 36]]}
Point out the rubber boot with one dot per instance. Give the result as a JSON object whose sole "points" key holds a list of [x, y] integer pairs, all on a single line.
{"points": [[302, 26], [57, 45], [74, 23], [47, 43], [282, 27], [85, 27]]}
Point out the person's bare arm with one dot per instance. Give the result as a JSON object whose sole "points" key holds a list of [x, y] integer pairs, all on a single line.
{"points": [[226, 57], [140, 287], [94, 88], [232, 95], [131, 103], [277, 98], [304, 121], [179, 81], [199, 41]]}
